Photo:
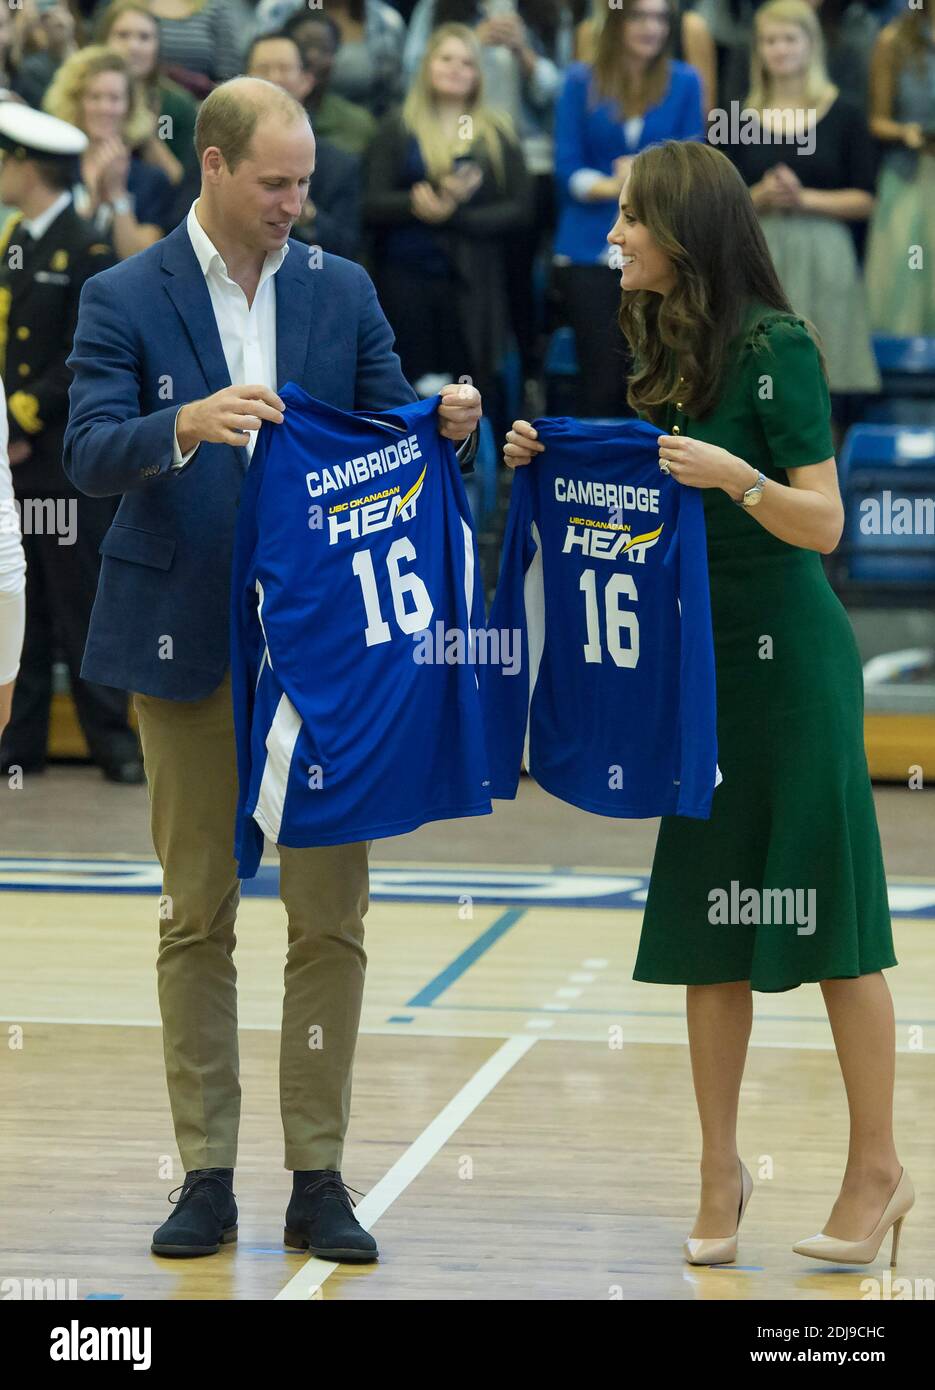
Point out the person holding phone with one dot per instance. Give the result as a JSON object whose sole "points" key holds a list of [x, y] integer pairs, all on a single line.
{"points": [[444, 181]]}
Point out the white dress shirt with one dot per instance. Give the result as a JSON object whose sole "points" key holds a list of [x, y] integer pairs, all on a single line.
{"points": [[38, 226], [248, 332]]}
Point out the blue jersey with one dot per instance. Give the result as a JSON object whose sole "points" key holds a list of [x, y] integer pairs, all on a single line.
{"points": [[604, 579], [354, 560]]}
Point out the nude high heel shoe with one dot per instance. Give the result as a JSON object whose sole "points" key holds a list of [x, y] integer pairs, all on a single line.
{"points": [[720, 1250], [863, 1252]]}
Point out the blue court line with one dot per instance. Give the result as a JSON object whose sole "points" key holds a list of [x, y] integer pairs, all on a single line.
{"points": [[461, 963]]}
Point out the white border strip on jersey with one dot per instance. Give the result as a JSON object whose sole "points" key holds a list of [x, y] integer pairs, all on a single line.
{"points": [[407, 1168], [259, 616], [534, 603], [467, 535], [280, 746]]}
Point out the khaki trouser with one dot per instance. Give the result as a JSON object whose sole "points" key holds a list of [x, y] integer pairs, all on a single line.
{"points": [[191, 768]]}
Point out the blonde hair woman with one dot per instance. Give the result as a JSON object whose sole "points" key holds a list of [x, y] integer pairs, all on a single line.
{"points": [[445, 178], [127, 200], [811, 175]]}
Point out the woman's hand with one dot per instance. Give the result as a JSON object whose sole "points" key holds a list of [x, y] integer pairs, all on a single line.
{"points": [[789, 185], [696, 464], [509, 30], [913, 135], [621, 169], [500, 31], [773, 192], [115, 158], [521, 444], [430, 206], [462, 183], [157, 153], [92, 166]]}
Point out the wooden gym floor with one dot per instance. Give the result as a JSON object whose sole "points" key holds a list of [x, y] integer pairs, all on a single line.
{"points": [[523, 1122]]}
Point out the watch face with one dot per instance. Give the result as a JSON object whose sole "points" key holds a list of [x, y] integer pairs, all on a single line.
{"points": [[751, 498]]}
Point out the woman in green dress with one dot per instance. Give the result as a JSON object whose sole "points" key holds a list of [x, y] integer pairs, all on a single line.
{"points": [[738, 384]]}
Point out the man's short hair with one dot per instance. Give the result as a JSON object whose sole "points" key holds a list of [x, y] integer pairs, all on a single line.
{"points": [[229, 114], [273, 37]]}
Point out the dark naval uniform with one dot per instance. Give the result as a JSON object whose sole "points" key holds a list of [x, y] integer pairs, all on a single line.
{"points": [[40, 283]]}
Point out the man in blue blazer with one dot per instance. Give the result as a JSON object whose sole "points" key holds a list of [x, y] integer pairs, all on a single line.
{"points": [[177, 355]]}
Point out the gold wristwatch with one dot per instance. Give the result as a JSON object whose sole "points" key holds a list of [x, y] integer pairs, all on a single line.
{"points": [[753, 493]]}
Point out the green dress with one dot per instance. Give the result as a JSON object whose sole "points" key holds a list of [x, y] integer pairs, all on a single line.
{"points": [[795, 808]]}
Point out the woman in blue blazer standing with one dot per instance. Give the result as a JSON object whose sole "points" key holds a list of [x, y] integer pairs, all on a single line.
{"points": [[632, 95]]}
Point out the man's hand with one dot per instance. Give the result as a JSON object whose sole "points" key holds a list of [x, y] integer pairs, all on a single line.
{"points": [[228, 416], [460, 410]]}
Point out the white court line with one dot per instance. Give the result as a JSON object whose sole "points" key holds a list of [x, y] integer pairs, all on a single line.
{"points": [[304, 1285]]}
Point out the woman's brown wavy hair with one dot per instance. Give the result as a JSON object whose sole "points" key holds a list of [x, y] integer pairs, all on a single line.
{"points": [[697, 209]]}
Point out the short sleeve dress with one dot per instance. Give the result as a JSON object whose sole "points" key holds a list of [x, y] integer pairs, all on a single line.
{"points": [[795, 808]]}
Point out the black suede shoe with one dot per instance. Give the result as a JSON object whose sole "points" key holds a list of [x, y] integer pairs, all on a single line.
{"points": [[320, 1219], [205, 1216]]}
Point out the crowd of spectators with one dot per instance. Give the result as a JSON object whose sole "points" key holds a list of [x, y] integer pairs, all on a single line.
{"points": [[470, 152], [471, 155]]}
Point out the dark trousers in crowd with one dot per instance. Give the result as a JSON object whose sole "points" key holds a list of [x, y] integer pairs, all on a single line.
{"points": [[589, 299], [521, 248], [428, 332], [61, 582]]}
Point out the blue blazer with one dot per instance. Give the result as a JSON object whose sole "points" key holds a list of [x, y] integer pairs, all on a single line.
{"points": [[592, 138], [146, 343]]}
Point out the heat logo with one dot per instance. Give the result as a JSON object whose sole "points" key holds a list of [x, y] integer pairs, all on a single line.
{"points": [[377, 512]]}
